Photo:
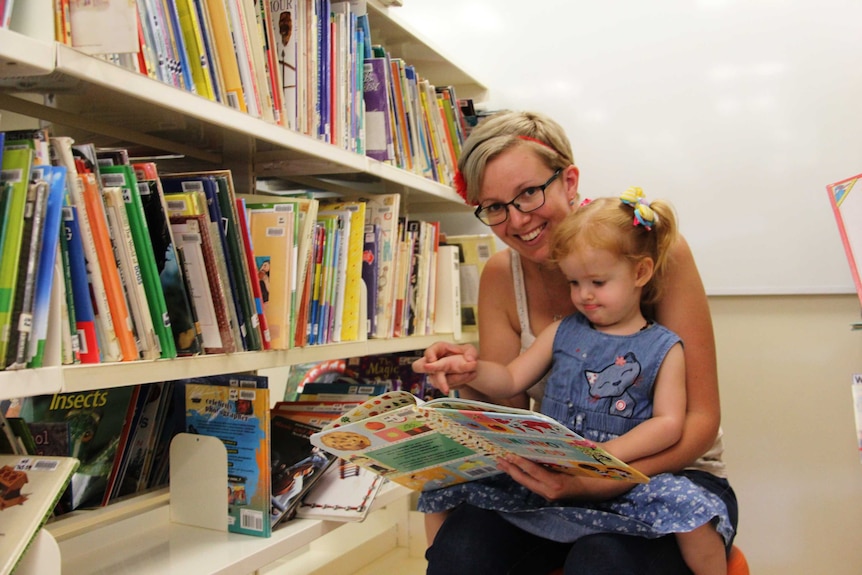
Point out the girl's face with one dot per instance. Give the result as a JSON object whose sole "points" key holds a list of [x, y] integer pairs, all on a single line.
{"points": [[509, 174], [605, 287]]}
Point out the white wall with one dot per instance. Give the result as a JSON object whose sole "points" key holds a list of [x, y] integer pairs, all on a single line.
{"points": [[785, 366], [739, 111]]}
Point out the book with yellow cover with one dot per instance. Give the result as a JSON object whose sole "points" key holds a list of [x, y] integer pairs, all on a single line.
{"points": [[351, 311], [272, 238]]}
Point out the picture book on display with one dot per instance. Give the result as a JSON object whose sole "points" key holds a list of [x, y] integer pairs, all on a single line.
{"points": [[446, 441], [29, 489], [345, 492], [235, 409], [97, 422], [845, 197]]}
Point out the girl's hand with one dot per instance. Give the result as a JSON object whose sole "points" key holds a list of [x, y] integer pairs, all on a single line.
{"points": [[553, 485], [449, 365]]}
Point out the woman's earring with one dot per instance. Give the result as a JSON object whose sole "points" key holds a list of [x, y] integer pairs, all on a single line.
{"points": [[572, 202]]}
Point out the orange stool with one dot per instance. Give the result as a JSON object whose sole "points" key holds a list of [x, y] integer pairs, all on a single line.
{"points": [[736, 563]]}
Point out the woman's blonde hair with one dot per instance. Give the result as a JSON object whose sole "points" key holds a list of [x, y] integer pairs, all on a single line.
{"points": [[504, 130], [612, 225]]}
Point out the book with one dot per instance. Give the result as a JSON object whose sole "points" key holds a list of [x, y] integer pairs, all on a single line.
{"points": [[21, 322], [185, 329], [382, 210], [29, 489], [272, 240], [106, 27], [351, 312], [45, 275], [16, 166], [124, 177], [283, 25], [378, 115], [429, 445], [85, 315], [248, 259], [370, 256], [447, 318], [235, 409], [88, 198], [845, 197], [227, 57], [296, 464], [345, 492], [96, 422], [475, 250]]}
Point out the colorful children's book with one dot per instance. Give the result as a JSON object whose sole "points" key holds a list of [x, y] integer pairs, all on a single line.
{"points": [[447, 317], [383, 210], [378, 117], [845, 197], [350, 321], [96, 422], [29, 488], [370, 256], [235, 409], [428, 445]]}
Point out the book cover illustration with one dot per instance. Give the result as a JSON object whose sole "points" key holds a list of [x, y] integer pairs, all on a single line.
{"points": [[235, 409], [96, 421], [296, 464], [429, 445], [29, 489], [845, 197]]}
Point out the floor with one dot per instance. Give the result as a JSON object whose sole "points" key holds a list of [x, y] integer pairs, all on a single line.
{"points": [[396, 562]]}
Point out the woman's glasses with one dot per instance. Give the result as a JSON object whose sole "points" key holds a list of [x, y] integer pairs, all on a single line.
{"points": [[527, 201]]}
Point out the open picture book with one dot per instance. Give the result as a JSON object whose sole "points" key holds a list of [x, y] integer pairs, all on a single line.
{"points": [[428, 445]]}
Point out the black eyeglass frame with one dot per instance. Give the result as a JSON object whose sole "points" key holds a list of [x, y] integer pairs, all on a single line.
{"points": [[514, 201]]}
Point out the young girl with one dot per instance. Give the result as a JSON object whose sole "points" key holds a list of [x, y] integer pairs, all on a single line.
{"points": [[617, 378]]}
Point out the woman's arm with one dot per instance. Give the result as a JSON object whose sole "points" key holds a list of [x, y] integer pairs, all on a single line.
{"points": [[499, 328]]}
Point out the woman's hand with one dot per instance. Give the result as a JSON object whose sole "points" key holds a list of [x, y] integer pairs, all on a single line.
{"points": [[448, 365], [554, 486]]}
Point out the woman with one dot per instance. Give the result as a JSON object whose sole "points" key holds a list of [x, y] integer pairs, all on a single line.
{"points": [[518, 168]]}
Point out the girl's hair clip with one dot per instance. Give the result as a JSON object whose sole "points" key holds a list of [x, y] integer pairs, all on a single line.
{"points": [[644, 215]]}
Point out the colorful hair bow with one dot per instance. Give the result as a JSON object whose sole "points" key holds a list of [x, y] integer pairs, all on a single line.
{"points": [[644, 215]]}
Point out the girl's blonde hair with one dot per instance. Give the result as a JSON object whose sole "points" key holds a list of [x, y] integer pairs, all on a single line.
{"points": [[610, 224], [504, 130]]}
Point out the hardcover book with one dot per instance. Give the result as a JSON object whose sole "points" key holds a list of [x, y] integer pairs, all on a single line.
{"points": [[85, 316], [96, 422], [235, 409], [429, 445], [345, 492], [29, 489]]}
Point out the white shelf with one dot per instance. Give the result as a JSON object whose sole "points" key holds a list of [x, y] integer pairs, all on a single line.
{"points": [[22, 57], [149, 543]]}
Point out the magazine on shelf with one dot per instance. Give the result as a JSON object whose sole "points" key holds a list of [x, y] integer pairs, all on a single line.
{"points": [[446, 441]]}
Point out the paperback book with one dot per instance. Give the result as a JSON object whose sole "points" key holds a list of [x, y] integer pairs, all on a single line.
{"points": [[429, 445]]}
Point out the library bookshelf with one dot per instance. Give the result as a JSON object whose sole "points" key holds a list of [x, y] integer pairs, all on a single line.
{"points": [[96, 101]]}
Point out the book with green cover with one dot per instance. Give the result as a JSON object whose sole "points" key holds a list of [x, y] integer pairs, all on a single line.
{"points": [[124, 176], [96, 422], [17, 163]]}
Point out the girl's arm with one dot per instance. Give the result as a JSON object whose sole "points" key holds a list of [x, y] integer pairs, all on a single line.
{"points": [[493, 379], [665, 426], [684, 309]]}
